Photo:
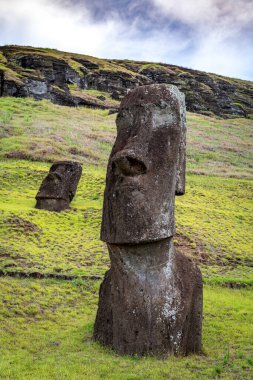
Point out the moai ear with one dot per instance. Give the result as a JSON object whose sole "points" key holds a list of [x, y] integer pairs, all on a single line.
{"points": [[181, 162]]}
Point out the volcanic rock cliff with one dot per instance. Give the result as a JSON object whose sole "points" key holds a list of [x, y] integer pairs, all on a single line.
{"points": [[76, 80]]}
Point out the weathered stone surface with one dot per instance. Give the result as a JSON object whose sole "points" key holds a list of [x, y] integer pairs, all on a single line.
{"points": [[36, 87], [150, 301], [104, 80], [146, 166], [59, 187]]}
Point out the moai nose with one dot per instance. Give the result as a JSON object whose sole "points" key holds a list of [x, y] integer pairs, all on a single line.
{"points": [[128, 166]]}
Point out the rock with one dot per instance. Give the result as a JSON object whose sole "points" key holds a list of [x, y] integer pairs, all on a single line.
{"points": [[101, 97], [116, 95], [59, 187], [111, 81], [112, 111], [86, 63], [158, 75], [58, 96], [56, 343], [9, 87], [150, 301], [37, 88], [1, 83], [38, 72]]}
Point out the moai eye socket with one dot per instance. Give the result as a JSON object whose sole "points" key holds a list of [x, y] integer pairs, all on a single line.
{"points": [[128, 166]]}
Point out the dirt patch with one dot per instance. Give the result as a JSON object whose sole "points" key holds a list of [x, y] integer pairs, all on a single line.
{"points": [[21, 224], [18, 155], [5, 131], [57, 138], [56, 276], [43, 155], [191, 248], [196, 250], [76, 152]]}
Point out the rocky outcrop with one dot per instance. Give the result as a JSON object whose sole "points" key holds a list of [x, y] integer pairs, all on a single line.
{"points": [[58, 76], [116, 83]]}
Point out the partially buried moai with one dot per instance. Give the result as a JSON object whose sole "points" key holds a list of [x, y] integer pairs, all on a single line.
{"points": [[150, 301], [59, 186]]}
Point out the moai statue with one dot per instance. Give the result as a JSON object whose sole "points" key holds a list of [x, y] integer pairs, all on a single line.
{"points": [[59, 187], [150, 301]]}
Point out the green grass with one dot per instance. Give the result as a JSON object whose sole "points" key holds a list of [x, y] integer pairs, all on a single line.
{"points": [[153, 66], [46, 332], [43, 131], [220, 147], [46, 325]]}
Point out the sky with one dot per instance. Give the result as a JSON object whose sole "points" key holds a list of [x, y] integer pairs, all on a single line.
{"points": [[210, 35]]}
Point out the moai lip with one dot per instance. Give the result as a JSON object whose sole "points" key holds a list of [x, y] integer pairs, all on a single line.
{"points": [[59, 187], [150, 301]]}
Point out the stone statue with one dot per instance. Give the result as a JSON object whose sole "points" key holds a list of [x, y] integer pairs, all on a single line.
{"points": [[59, 187], [150, 301]]}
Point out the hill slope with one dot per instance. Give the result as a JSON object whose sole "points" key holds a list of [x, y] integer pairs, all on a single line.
{"points": [[213, 218], [75, 79], [51, 264]]}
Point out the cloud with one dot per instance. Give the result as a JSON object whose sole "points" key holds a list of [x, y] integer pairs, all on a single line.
{"points": [[70, 26], [50, 24], [229, 15], [199, 34], [222, 33]]}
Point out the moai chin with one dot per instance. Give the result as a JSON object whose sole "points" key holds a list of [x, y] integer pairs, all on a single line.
{"points": [[59, 186], [150, 301]]}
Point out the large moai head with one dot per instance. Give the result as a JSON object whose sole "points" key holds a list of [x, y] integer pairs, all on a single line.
{"points": [[59, 187], [146, 167]]}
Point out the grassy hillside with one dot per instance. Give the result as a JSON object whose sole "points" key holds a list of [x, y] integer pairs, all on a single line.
{"points": [[46, 324], [40, 131]]}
